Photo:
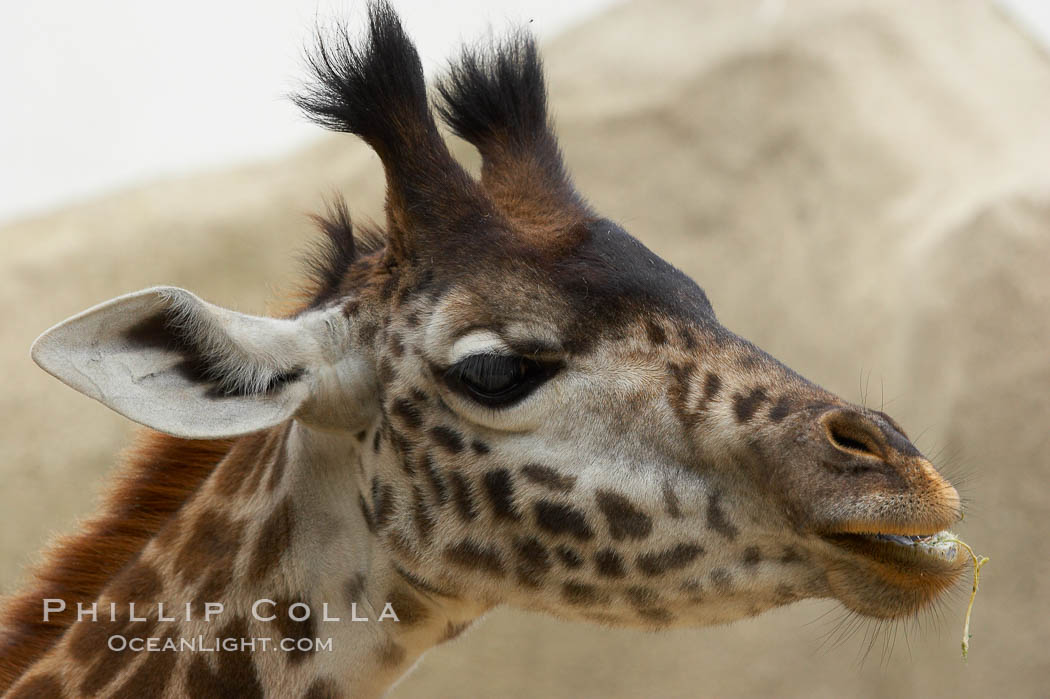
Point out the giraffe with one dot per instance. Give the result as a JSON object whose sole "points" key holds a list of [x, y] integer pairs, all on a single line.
{"points": [[501, 399]]}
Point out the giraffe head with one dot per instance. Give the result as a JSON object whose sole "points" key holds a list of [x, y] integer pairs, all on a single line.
{"points": [[541, 411]]}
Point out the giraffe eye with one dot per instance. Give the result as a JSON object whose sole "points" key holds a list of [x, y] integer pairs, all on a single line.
{"points": [[497, 380]]}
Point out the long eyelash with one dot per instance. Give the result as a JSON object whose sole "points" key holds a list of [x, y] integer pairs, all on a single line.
{"points": [[498, 380], [485, 366]]}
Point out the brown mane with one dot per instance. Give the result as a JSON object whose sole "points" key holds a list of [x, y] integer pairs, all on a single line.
{"points": [[158, 475]]}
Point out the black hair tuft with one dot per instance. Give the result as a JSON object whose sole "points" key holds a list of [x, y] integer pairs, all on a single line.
{"points": [[329, 260], [376, 91], [497, 94]]}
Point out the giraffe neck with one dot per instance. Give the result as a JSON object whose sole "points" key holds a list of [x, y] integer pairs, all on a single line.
{"points": [[274, 532]]}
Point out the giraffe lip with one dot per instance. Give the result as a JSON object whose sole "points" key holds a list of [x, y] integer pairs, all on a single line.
{"points": [[939, 546]]}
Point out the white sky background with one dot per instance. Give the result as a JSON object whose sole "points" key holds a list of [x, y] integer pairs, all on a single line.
{"points": [[101, 95]]}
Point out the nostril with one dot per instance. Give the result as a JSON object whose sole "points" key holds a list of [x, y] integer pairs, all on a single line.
{"points": [[852, 434], [844, 441]]}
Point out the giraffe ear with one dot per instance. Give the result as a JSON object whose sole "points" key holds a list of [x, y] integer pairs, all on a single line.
{"points": [[168, 360]]}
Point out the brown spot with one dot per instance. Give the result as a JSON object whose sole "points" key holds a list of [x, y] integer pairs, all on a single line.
{"points": [[377, 441], [784, 594], [533, 561], [781, 409], [582, 594], [656, 615], [240, 463], [355, 588], [151, 677], [437, 483], [367, 332], [386, 373], [694, 590], [408, 606], [609, 564], [500, 489], [722, 580], [391, 654], [688, 338], [138, 583], [274, 538], [716, 517], [351, 307], [470, 554], [461, 493], [322, 688], [404, 449], [548, 477], [87, 639], [671, 501], [569, 556], [214, 585], [422, 515], [642, 596], [562, 519], [39, 687], [107, 664], [214, 541], [752, 556], [712, 386], [290, 628], [745, 405], [408, 412], [791, 555], [625, 520], [480, 448], [447, 438], [655, 332], [678, 389], [397, 348], [382, 502], [678, 556], [235, 675], [388, 288]]}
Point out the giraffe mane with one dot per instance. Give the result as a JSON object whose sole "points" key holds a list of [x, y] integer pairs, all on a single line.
{"points": [[158, 475]]}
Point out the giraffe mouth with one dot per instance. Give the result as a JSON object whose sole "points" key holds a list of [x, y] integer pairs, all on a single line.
{"points": [[939, 548], [940, 545], [888, 576]]}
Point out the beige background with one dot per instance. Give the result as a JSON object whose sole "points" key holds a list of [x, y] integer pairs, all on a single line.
{"points": [[862, 188]]}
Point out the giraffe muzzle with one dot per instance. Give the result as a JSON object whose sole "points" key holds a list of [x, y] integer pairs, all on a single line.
{"points": [[888, 523]]}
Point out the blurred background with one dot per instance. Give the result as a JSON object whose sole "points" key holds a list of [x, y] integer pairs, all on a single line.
{"points": [[863, 189]]}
